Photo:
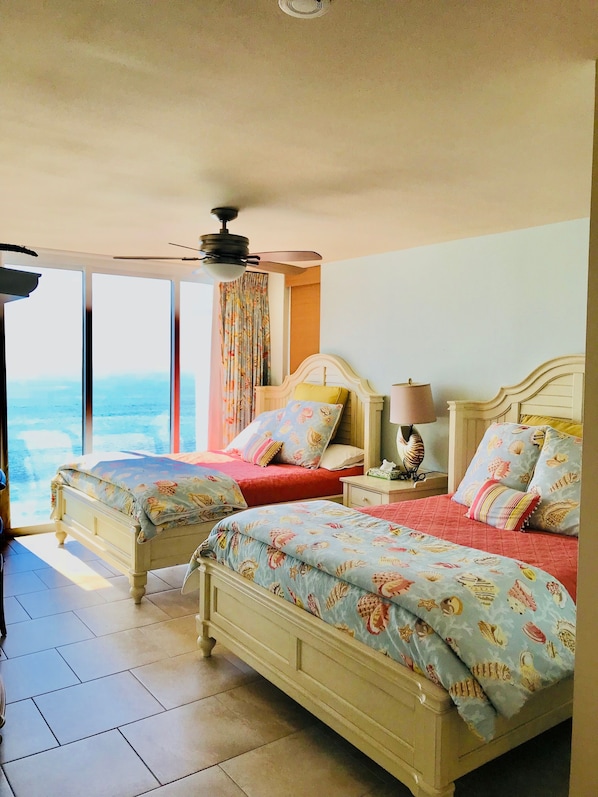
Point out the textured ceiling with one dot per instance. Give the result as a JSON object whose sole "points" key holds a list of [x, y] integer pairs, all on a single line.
{"points": [[383, 125]]}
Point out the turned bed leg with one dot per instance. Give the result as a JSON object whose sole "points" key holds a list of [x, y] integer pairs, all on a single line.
{"points": [[137, 588], [206, 643], [60, 536]]}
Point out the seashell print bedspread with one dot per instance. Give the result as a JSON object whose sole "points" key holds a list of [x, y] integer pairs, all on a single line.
{"points": [[489, 629], [158, 492]]}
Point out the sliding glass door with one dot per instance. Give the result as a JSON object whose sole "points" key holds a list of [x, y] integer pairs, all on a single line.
{"points": [[148, 343]]}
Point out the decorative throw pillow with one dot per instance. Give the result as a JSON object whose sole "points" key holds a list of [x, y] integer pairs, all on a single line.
{"points": [[337, 457], [502, 507], [260, 450], [306, 428], [507, 453], [557, 480]]}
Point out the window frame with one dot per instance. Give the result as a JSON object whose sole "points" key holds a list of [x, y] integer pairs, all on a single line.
{"points": [[173, 272]]}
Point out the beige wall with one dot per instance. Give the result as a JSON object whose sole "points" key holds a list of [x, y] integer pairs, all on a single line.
{"points": [[584, 762]]}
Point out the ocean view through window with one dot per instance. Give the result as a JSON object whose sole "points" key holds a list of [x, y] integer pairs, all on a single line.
{"points": [[131, 355]]}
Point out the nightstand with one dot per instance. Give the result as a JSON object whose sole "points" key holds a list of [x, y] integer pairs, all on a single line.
{"points": [[364, 491]]}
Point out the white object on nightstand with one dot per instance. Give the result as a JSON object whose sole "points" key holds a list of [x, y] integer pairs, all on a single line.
{"points": [[364, 491]]}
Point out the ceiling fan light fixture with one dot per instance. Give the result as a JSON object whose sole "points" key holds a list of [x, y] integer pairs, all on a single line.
{"points": [[223, 271], [305, 9]]}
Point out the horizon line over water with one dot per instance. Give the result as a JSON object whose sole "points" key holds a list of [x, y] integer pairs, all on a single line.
{"points": [[45, 425]]}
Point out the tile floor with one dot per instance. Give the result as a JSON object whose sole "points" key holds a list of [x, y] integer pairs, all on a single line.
{"points": [[109, 699]]}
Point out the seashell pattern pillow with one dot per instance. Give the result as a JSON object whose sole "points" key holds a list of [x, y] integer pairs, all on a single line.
{"points": [[306, 428], [507, 453], [557, 480], [269, 421]]}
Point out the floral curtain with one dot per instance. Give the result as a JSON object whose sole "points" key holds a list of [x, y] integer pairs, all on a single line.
{"points": [[245, 336]]}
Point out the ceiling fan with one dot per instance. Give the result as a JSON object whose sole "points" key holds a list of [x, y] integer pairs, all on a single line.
{"points": [[225, 256]]}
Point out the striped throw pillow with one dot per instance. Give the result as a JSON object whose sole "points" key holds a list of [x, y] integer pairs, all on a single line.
{"points": [[260, 450], [502, 507]]}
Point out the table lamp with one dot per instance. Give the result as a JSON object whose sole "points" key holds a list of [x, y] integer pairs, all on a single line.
{"points": [[411, 403]]}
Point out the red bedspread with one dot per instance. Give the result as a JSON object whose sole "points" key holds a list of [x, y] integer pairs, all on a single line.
{"points": [[274, 483], [442, 517]]}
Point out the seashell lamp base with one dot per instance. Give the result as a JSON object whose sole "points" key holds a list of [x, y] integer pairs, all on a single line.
{"points": [[411, 450]]}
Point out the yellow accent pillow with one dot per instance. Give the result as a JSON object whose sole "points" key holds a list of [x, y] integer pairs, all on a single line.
{"points": [[327, 394], [560, 424]]}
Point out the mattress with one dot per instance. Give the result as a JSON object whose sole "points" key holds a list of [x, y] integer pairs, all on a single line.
{"points": [[274, 483], [173, 490]]}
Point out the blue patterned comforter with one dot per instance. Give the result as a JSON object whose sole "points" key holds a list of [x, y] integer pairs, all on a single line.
{"points": [[489, 629], [157, 492]]}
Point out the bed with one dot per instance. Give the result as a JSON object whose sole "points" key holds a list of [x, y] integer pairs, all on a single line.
{"points": [[406, 722], [116, 537]]}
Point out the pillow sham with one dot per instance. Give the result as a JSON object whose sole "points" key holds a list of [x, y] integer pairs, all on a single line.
{"points": [[508, 453], [260, 450], [327, 394], [502, 507], [560, 424], [269, 421], [337, 457], [305, 429], [557, 480]]}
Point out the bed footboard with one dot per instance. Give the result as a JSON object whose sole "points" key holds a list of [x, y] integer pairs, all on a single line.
{"points": [[402, 721], [112, 536]]}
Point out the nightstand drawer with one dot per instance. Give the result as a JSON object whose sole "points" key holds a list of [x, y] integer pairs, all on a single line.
{"points": [[363, 497], [364, 491]]}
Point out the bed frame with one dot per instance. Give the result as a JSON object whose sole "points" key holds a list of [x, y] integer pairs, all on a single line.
{"points": [[112, 535], [404, 722]]}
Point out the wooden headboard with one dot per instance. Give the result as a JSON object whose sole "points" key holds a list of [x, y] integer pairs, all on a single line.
{"points": [[555, 388], [361, 419]]}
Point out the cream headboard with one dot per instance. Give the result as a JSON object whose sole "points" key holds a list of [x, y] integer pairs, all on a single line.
{"points": [[555, 389], [361, 420]]}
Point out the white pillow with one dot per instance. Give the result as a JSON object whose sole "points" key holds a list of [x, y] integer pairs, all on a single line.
{"points": [[238, 443], [337, 457]]}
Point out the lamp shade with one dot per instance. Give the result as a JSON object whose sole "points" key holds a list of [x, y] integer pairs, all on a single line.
{"points": [[411, 403]]}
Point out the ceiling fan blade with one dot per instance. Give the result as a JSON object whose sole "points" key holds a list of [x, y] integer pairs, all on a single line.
{"points": [[276, 268], [292, 256], [144, 257], [193, 248], [17, 248]]}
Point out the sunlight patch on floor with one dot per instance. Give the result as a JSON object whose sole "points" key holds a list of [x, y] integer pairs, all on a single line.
{"points": [[46, 548]]}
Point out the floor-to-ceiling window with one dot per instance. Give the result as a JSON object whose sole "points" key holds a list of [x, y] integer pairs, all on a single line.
{"points": [[196, 336], [44, 389], [131, 325], [141, 335]]}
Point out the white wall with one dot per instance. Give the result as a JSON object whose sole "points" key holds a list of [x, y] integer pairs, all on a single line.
{"points": [[467, 316]]}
